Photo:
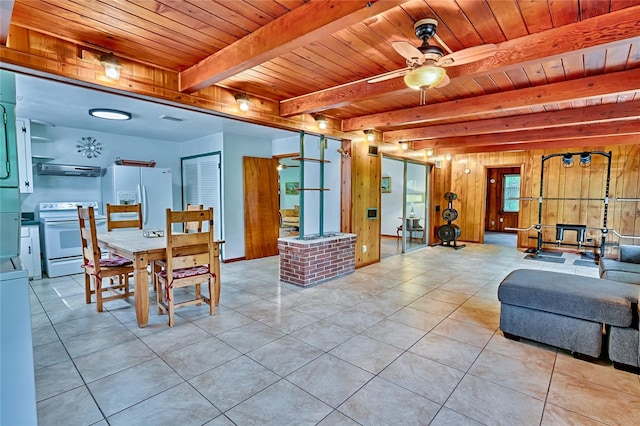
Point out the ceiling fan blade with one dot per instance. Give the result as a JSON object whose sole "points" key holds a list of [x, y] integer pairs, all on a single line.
{"points": [[389, 75], [465, 56], [408, 51], [445, 81]]}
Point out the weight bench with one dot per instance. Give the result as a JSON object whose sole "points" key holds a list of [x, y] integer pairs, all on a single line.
{"points": [[564, 310], [580, 231]]}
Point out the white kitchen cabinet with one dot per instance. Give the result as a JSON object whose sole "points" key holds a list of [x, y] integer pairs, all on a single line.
{"points": [[30, 250], [25, 163]]}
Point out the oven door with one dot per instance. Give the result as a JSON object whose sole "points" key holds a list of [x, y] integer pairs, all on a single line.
{"points": [[62, 237]]}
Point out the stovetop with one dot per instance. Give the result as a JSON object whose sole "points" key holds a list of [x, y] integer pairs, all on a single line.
{"points": [[64, 209]]}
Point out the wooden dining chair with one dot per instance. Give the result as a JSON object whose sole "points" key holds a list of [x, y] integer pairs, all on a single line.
{"points": [[190, 262], [193, 226], [124, 217], [96, 269]]}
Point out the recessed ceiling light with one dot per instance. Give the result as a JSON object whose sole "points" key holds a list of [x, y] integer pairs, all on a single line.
{"points": [[109, 114]]}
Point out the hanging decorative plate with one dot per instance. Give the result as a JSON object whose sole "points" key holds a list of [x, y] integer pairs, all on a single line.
{"points": [[89, 147]]}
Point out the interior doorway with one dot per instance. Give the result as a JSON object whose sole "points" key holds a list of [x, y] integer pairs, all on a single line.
{"points": [[502, 206], [288, 195]]}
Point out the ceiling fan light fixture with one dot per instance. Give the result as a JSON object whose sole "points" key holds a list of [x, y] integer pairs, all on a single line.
{"points": [[424, 77], [111, 66], [243, 101], [110, 114]]}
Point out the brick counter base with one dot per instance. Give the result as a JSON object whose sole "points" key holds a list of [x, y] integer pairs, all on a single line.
{"points": [[309, 262]]}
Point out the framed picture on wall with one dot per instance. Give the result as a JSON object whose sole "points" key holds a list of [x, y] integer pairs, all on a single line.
{"points": [[386, 184], [291, 188]]}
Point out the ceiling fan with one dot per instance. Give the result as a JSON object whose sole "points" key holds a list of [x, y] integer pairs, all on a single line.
{"points": [[426, 63]]}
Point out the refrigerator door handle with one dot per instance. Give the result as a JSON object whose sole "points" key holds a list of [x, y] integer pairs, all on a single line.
{"points": [[145, 207]]}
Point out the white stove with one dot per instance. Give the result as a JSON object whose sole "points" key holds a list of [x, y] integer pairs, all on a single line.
{"points": [[60, 236]]}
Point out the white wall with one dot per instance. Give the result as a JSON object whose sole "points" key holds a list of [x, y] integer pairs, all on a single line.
{"points": [[234, 148], [391, 202], [62, 149]]}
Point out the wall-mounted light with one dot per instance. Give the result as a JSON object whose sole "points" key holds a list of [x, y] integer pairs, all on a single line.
{"points": [[370, 135], [321, 120], [585, 159], [567, 161], [109, 114], [343, 152], [243, 101], [429, 152], [404, 145], [447, 157], [111, 66]]}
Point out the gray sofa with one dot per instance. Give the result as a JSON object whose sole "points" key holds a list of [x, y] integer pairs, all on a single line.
{"points": [[626, 268], [572, 312]]}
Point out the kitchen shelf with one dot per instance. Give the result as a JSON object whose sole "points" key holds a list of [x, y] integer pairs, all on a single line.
{"points": [[40, 139], [40, 159], [314, 189]]}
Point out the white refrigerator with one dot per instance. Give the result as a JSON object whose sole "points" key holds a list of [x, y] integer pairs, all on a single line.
{"points": [[150, 186]]}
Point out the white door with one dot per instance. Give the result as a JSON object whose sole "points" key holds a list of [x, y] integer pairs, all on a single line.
{"points": [[201, 185], [156, 195]]}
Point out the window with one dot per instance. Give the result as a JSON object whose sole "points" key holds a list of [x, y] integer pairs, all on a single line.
{"points": [[511, 193]]}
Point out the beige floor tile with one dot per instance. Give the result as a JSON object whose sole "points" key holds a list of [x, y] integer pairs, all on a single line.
{"points": [[226, 321], [250, 336], [423, 376], [72, 407], [336, 418], [482, 318], [559, 416], [49, 354], [597, 402], [493, 404], [446, 351], [323, 335], [88, 324], [416, 318], [280, 404], [330, 379], [192, 360], [285, 355], [97, 340], [181, 405], [463, 332], [229, 384], [121, 390], [526, 350], [367, 353], [288, 320], [448, 417], [175, 337], [380, 402], [354, 319], [56, 379], [433, 306], [529, 378], [124, 355], [395, 334], [448, 296]]}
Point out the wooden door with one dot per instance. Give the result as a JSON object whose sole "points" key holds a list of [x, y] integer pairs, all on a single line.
{"points": [[260, 207]]}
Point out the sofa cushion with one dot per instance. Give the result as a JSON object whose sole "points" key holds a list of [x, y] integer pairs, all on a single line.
{"points": [[622, 276], [629, 254], [591, 299], [614, 265]]}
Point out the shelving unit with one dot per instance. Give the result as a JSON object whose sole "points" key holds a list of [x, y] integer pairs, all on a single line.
{"points": [[40, 159], [302, 159]]}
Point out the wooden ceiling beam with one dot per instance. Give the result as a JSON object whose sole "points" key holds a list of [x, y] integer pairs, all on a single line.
{"points": [[603, 31], [568, 117], [310, 22], [572, 133], [543, 144], [564, 91]]}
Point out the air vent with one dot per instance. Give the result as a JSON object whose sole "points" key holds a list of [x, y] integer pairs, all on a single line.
{"points": [[170, 118]]}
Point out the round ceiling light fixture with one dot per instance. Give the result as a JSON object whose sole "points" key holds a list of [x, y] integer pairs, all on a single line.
{"points": [[109, 114]]}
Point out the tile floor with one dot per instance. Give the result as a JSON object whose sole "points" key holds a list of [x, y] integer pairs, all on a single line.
{"points": [[413, 339]]}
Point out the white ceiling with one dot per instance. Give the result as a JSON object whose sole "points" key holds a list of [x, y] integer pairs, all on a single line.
{"points": [[66, 105]]}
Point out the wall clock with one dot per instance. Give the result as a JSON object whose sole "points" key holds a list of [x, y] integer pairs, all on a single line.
{"points": [[89, 147]]}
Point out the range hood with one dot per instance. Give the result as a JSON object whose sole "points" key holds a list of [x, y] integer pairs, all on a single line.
{"points": [[68, 170]]}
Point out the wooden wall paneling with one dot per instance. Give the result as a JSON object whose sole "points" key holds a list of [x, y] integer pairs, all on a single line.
{"points": [[630, 217], [261, 221], [365, 184]]}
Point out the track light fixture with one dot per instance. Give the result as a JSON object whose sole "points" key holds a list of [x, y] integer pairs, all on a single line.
{"points": [[585, 159], [343, 152], [111, 66], [243, 101], [370, 135], [567, 160], [321, 120]]}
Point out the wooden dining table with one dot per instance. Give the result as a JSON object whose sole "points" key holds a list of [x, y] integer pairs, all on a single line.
{"points": [[133, 245]]}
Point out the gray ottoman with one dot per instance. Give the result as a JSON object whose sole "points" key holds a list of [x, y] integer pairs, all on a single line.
{"points": [[563, 310]]}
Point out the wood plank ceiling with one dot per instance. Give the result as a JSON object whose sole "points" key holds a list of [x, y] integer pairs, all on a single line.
{"points": [[571, 64]]}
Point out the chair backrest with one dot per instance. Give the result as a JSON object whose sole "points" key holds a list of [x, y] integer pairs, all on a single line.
{"points": [[193, 226], [90, 251], [186, 250], [124, 216]]}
